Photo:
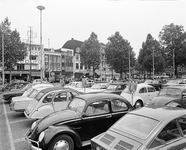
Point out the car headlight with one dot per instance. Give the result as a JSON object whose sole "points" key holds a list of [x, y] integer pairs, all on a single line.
{"points": [[33, 125], [41, 136]]}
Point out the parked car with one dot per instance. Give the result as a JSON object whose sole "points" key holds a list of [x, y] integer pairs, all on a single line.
{"points": [[97, 87], [155, 83], [143, 93], [20, 103], [48, 101], [116, 88], [86, 116], [170, 96], [174, 82], [147, 128], [8, 95], [14, 85]]}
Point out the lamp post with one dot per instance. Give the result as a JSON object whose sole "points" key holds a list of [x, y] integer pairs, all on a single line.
{"points": [[3, 74], [42, 70], [129, 63], [173, 63], [153, 62]]}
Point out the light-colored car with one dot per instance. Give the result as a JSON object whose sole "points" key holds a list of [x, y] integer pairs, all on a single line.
{"points": [[50, 100], [97, 87], [147, 128], [20, 103], [143, 93]]}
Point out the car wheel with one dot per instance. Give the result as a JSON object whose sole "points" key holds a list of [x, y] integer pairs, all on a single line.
{"points": [[138, 104], [63, 142]]}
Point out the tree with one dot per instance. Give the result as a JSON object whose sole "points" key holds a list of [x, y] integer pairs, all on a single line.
{"points": [[90, 53], [173, 39], [14, 49], [151, 49], [117, 54]]}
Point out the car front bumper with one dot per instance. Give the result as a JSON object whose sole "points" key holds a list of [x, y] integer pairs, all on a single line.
{"points": [[36, 143]]}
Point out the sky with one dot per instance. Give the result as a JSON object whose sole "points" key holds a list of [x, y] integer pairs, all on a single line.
{"points": [[63, 20]]}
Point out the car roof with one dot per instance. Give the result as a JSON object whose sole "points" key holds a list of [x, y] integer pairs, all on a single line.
{"points": [[169, 113], [176, 86], [48, 89], [89, 97], [140, 85]]}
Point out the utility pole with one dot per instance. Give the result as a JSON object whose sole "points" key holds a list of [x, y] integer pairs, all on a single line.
{"points": [[3, 74], [30, 35]]}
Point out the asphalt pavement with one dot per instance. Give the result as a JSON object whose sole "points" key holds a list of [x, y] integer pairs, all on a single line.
{"points": [[13, 127]]}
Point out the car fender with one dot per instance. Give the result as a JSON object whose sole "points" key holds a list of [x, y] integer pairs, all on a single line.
{"points": [[54, 131], [135, 98], [42, 111]]}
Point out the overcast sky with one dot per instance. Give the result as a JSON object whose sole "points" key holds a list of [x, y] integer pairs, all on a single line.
{"points": [[66, 19]]}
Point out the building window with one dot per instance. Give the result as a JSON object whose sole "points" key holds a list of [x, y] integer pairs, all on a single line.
{"points": [[77, 57], [33, 57], [20, 66], [77, 66], [81, 66]]}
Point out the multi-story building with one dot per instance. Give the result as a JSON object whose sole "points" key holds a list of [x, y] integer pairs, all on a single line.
{"points": [[22, 69]]}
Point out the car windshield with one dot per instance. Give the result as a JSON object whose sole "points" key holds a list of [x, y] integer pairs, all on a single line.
{"points": [[174, 81], [77, 104], [112, 87], [96, 86], [139, 126], [170, 91], [33, 93], [39, 96]]}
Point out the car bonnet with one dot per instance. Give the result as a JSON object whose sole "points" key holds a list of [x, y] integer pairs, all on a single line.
{"points": [[60, 117]]}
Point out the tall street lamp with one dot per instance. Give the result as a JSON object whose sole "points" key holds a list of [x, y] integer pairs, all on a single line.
{"points": [[153, 62], [129, 62], [42, 69]]}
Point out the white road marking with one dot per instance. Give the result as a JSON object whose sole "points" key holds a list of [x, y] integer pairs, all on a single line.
{"points": [[18, 121], [9, 130], [19, 140]]}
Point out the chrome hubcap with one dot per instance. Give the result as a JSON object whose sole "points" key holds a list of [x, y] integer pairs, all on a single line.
{"points": [[61, 145]]}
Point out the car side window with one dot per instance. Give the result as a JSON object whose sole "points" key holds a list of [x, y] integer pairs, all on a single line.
{"points": [[151, 89], [99, 107], [168, 133], [60, 97], [118, 105], [48, 98], [143, 90], [182, 123]]}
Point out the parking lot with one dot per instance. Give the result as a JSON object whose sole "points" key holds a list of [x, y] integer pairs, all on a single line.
{"points": [[13, 126]]}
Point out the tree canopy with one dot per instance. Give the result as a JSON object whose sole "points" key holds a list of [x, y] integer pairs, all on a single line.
{"points": [[173, 39], [90, 52], [14, 49], [151, 49], [117, 54]]}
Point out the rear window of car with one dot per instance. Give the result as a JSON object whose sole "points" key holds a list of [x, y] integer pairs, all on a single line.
{"points": [[170, 91], [136, 125]]}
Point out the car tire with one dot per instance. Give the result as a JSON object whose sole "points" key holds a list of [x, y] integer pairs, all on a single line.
{"points": [[138, 104], [64, 142]]}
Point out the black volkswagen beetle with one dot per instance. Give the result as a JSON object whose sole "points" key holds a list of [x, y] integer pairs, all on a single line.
{"points": [[86, 116], [174, 96]]}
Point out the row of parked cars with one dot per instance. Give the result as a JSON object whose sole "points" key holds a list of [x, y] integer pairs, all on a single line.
{"points": [[72, 117]]}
